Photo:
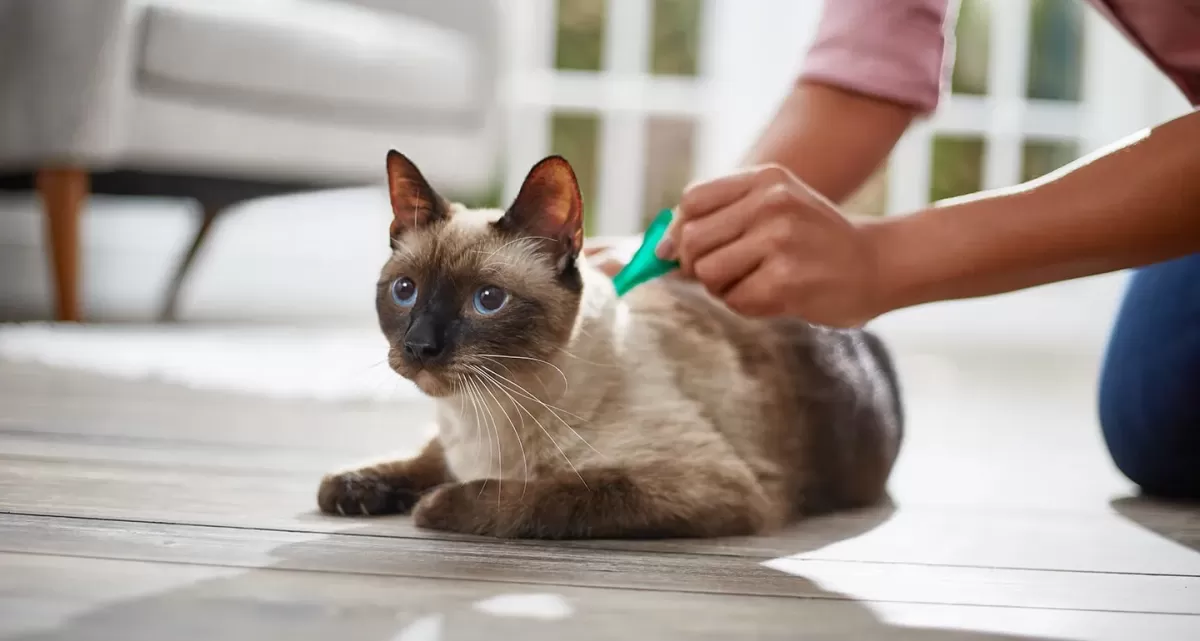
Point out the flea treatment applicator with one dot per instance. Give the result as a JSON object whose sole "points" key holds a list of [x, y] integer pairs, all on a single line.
{"points": [[645, 264]]}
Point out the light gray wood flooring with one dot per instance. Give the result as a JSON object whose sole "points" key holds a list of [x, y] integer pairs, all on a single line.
{"points": [[142, 510]]}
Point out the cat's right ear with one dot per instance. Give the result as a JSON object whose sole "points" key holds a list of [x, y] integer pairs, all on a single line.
{"points": [[414, 203]]}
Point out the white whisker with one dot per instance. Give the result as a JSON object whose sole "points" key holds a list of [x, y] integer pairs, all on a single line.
{"points": [[462, 408], [478, 423], [495, 428], [520, 389], [566, 383], [475, 423], [524, 461], [489, 424], [544, 431], [553, 411], [584, 360]]}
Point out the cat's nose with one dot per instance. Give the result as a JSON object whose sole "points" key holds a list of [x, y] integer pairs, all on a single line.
{"points": [[422, 350], [423, 342]]}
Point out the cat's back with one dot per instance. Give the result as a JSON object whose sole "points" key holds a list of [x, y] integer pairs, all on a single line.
{"points": [[712, 352], [823, 400], [714, 345]]}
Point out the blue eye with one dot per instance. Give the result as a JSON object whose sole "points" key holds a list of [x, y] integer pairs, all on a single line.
{"points": [[489, 299], [404, 291]]}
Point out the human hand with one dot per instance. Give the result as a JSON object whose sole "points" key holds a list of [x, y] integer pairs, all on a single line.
{"points": [[768, 245]]}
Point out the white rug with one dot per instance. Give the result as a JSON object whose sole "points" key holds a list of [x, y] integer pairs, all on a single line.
{"points": [[330, 364]]}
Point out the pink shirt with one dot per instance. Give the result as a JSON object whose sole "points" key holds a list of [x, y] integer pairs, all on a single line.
{"points": [[895, 49]]}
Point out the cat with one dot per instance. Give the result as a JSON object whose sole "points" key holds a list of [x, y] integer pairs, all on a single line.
{"points": [[564, 411]]}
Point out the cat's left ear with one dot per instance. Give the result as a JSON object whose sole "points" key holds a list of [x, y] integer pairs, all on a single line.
{"points": [[549, 206]]}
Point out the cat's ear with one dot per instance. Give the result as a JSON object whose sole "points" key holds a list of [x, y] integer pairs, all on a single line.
{"points": [[549, 206], [414, 202]]}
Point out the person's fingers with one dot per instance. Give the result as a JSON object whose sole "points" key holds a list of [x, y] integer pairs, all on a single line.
{"points": [[668, 244], [762, 292], [699, 237], [700, 200], [704, 198], [727, 266]]}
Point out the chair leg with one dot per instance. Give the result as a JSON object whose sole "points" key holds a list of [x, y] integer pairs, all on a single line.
{"points": [[170, 305], [64, 191]]}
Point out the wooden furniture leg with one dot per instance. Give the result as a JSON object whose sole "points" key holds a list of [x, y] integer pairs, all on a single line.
{"points": [[64, 191], [171, 304]]}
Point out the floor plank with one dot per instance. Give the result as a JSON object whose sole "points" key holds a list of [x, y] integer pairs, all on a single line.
{"points": [[46, 598], [484, 560], [219, 496]]}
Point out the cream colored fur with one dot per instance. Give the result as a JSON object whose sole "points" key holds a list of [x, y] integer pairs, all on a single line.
{"points": [[609, 398]]}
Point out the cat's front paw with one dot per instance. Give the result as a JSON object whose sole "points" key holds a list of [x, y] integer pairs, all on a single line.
{"points": [[364, 493], [460, 507]]}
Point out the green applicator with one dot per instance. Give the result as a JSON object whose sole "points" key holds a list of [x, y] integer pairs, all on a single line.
{"points": [[645, 264]]}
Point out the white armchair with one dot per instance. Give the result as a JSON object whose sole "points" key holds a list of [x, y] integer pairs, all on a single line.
{"points": [[224, 100]]}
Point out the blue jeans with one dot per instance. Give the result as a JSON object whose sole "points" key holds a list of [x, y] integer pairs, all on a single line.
{"points": [[1150, 381]]}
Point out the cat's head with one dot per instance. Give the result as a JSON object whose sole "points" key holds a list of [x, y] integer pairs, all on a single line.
{"points": [[471, 289]]}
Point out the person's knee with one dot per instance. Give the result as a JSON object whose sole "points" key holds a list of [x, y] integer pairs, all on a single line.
{"points": [[1149, 408], [1151, 452]]}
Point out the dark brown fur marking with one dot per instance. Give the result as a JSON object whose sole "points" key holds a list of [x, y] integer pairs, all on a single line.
{"points": [[391, 487], [856, 426], [647, 502]]}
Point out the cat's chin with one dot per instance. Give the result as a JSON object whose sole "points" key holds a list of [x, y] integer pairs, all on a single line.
{"points": [[435, 384], [431, 384]]}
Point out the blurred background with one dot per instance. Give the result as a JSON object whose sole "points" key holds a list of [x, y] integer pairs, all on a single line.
{"points": [[233, 149]]}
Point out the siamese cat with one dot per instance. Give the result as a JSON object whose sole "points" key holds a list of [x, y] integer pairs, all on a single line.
{"points": [[564, 411]]}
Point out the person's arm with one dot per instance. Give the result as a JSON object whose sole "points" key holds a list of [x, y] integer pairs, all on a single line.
{"points": [[1133, 204], [769, 245], [831, 138], [873, 67]]}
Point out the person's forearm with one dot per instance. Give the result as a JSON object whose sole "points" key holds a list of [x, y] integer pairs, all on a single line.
{"points": [[1131, 205], [830, 138]]}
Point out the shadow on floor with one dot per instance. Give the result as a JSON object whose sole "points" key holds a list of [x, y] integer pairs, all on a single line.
{"points": [[1178, 521], [357, 585]]}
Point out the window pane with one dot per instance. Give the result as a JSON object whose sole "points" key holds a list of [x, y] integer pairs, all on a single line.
{"points": [[670, 143], [972, 46], [574, 136], [1041, 158], [580, 38], [871, 198], [675, 37], [957, 167], [1055, 50]]}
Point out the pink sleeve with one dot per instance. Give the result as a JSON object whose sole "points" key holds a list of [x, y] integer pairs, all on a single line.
{"points": [[891, 49]]}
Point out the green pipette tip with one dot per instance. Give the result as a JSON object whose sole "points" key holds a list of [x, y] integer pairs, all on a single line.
{"points": [[645, 264]]}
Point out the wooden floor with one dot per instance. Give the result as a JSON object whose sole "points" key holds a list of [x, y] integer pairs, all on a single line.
{"points": [[143, 511]]}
